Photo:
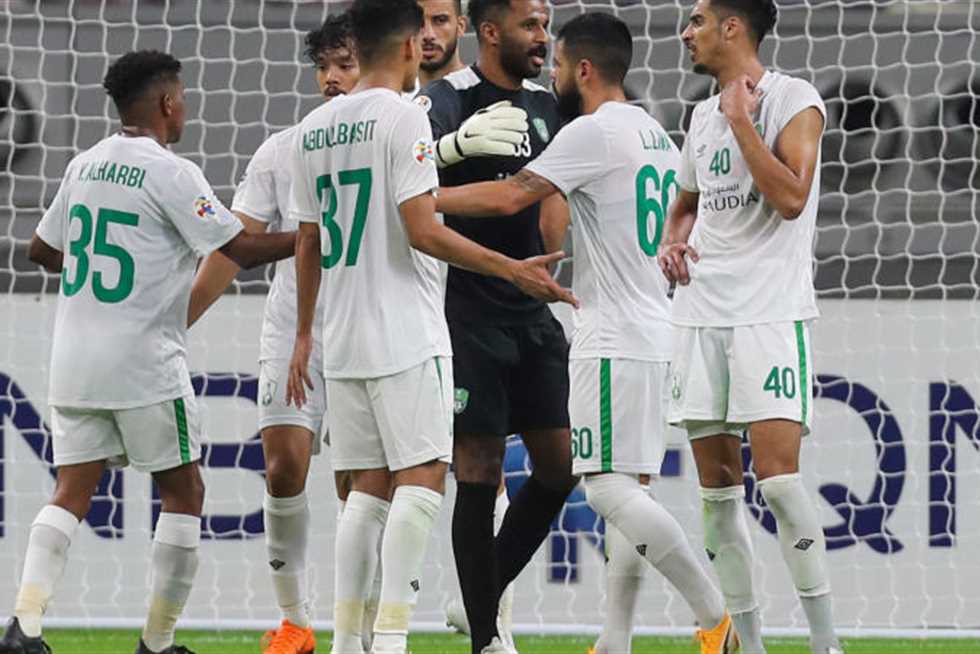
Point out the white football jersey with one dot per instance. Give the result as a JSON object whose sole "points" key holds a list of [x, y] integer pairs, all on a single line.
{"points": [[617, 167], [756, 267], [355, 160], [263, 194], [132, 219]]}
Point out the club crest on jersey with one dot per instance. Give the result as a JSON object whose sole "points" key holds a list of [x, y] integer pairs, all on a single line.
{"points": [[423, 150], [542, 128], [423, 101], [203, 207], [460, 400]]}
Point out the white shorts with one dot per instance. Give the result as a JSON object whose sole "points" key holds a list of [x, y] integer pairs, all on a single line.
{"points": [[394, 422], [725, 378], [149, 438], [273, 410], [618, 413]]}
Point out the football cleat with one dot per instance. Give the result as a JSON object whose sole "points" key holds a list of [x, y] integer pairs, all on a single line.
{"points": [[15, 642], [173, 649], [720, 640], [456, 616], [289, 639]]}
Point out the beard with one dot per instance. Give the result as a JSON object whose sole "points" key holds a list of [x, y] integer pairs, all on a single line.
{"points": [[701, 69], [439, 64], [516, 61], [569, 103]]}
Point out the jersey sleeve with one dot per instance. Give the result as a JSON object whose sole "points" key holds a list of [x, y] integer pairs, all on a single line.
{"points": [[577, 155], [799, 95], [256, 193], [411, 156], [204, 223], [442, 105], [687, 174], [304, 205], [51, 228]]}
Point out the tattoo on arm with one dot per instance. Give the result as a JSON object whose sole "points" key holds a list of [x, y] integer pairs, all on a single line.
{"points": [[532, 183]]}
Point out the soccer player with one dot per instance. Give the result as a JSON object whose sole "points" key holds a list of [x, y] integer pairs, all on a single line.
{"points": [[444, 25], [363, 176], [289, 435], [739, 245], [511, 354], [126, 230], [616, 165]]}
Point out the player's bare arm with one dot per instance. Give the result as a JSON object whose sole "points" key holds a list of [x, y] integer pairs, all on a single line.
{"points": [[251, 250], [428, 235], [505, 197], [307, 290], [783, 175], [675, 250], [554, 222], [44, 255], [217, 273]]}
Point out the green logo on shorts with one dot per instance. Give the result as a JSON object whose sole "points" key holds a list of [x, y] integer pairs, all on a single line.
{"points": [[676, 390], [461, 399], [270, 391]]}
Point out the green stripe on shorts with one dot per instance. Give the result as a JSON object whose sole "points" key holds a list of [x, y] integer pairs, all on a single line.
{"points": [[605, 413], [804, 373], [182, 441]]}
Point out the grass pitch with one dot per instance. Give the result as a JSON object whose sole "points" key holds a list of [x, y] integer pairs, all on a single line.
{"points": [[75, 641]]}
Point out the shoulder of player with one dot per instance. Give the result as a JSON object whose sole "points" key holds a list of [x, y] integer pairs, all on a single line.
{"points": [[783, 86], [534, 87]]}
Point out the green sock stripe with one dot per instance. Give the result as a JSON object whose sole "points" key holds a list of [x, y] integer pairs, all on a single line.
{"points": [[182, 441], [605, 413], [804, 373]]}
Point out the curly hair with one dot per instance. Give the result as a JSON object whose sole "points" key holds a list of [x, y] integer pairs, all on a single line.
{"points": [[130, 76], [334, 34]]}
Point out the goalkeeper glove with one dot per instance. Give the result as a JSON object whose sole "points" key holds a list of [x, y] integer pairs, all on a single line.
{"points": [[496, 130]]}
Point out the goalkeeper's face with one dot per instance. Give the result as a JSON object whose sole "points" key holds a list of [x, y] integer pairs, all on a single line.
{"points": [[523, 34], [337, 71]]}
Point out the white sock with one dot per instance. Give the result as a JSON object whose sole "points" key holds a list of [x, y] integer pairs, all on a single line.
{"points": [[505, 611], [659, 538], [413, 512], [371, 605], [726, 539], [174, 561], [287, 532], [44, 562], [356, 560], [625, 569], [802, 542]]}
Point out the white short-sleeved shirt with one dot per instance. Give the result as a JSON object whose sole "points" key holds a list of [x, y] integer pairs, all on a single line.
{"points": [[132, 219], [263, 194], [355, 160], [617, 168], [756, 267]]}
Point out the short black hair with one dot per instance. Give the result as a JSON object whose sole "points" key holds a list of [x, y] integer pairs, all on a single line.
{"points": [[478, 11], [375, 21], [334, 34], [759, 14], [604, 40], [130, 76]]}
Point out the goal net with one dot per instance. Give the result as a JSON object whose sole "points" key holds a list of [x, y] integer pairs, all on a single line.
{"points": [[893, 461]]}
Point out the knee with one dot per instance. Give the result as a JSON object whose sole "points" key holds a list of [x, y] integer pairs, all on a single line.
{"points": [[284, 477], [607, 492], [721, 475], [478, 461]]}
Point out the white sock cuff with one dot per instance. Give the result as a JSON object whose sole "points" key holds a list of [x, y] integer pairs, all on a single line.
{"points": [[722, 494], [425, 499], [179, 530], [285, 505], [779, 481], [57, 518], [374, 507]]}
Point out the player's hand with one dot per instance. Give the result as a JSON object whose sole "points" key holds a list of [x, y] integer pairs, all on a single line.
{"points": [[496, 130], [532, 276], [740, 98], [673, 262], [299, 372]]}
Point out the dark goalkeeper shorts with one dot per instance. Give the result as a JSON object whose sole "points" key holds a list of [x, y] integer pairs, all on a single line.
{"points": [[509, 379]]}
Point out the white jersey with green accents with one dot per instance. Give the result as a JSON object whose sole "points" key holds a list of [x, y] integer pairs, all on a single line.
{"points": [[756, 267], [617, 168], [355, 160], [132, 219]]}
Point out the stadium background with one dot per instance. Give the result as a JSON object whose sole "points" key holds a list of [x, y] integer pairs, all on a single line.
{"points": [[895, 452]]}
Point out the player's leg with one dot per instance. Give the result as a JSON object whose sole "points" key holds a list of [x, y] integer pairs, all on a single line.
{"points": [[772, 389], [413, 410], [84, 441], [356, 449], [505, 608]]}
